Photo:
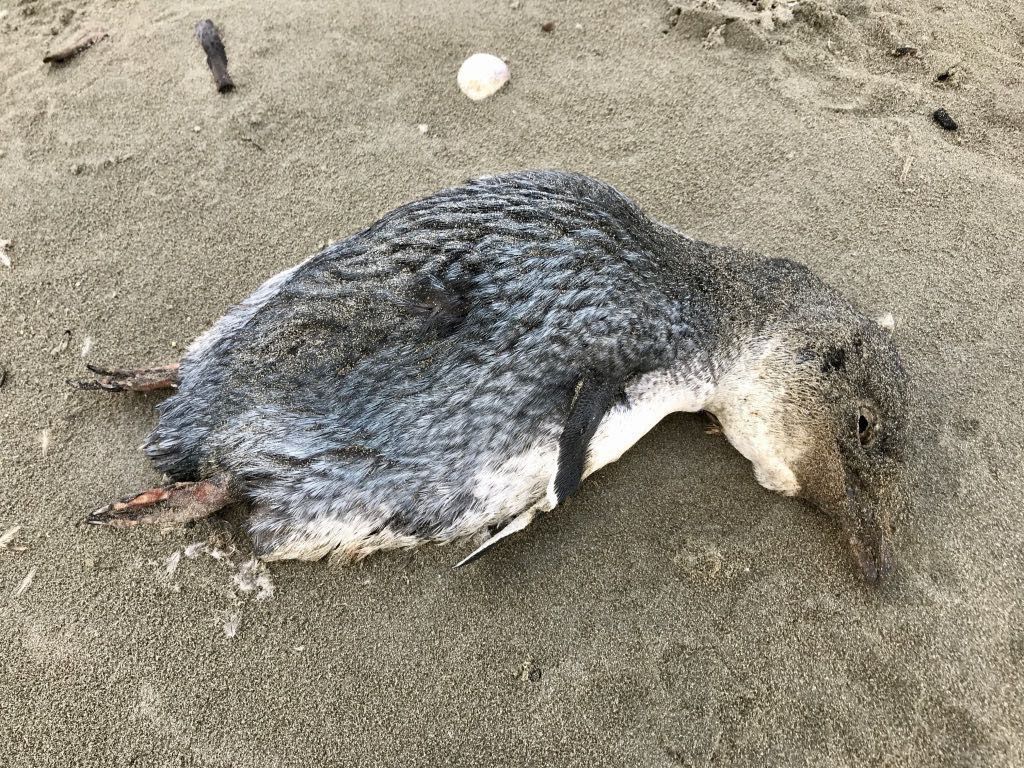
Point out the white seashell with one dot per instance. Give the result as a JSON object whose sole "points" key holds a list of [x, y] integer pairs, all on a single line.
{"points": [[482, 75]]}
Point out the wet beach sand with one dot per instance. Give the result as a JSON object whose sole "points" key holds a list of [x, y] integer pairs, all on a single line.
{"points": [[673, 612]]}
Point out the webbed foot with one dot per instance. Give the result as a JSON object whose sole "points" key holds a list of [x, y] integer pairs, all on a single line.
{"points": [[171, 503], [130, 379]]}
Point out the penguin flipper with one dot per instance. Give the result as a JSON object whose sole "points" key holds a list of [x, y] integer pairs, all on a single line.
{"points": [[515, 525], [594, 395]]}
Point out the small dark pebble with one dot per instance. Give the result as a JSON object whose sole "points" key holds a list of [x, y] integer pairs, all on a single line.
{"points": [[944, 76], [535, 675], [904, 50], [942, 118], [547, 26], [3, 377]]}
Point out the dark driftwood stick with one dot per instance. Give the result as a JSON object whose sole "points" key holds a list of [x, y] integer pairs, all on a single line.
{"points": [[74, 46], [216, 57]]}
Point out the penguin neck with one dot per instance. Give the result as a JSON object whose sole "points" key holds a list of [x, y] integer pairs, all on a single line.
{"points": [[726, 328], [709, 378], [746, 325], [743, 398]]}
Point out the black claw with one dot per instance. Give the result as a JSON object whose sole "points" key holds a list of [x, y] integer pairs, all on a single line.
{"points": [[97, 517], [89, 384], [107, 517]]}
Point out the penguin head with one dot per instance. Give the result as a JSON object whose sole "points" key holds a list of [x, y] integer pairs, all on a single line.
{"points": [[821, 410]]}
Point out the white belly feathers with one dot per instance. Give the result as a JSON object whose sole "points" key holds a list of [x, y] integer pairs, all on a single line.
{"points": [[522, 481]]}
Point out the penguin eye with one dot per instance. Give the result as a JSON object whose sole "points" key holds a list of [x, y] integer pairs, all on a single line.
{"points": [[867, 425]]}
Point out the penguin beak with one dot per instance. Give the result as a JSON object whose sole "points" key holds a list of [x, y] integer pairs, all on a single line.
{"points": [[866, 527], [873, 555]]}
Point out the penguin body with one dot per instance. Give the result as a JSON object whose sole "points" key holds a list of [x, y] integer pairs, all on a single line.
{"points": [[471, 357]]}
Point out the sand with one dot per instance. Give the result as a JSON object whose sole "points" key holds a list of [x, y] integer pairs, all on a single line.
{"points": [[673, 613]]}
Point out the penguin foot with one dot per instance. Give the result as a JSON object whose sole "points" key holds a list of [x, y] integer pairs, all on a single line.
{"points": [[171, 503], [129, 379]]}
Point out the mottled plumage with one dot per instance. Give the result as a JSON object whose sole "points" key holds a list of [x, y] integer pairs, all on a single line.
{"points": [[471, 356]]}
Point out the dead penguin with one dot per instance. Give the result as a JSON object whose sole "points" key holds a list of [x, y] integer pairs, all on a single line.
{"points": [[466, 361]]}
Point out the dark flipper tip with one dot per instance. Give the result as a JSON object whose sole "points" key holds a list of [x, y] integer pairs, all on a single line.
{"points": [[518, 523]]}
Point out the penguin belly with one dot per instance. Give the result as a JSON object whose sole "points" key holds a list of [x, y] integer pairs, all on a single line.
{"points": [[527, 480]]}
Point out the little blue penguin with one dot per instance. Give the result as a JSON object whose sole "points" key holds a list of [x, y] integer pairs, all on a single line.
{"points": [[465, 362]]}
